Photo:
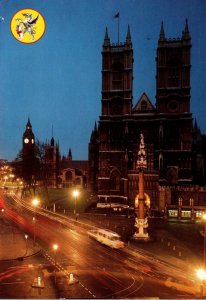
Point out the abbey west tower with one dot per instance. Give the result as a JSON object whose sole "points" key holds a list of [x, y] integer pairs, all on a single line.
{"points": [[167, 126], [173, 107], [117, 77]]}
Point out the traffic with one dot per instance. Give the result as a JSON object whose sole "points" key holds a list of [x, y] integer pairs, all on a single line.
{"points": [[107, 237]]}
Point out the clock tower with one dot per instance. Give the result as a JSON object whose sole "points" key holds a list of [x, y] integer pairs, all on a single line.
{"points": [[28, 137], [28, 153]]}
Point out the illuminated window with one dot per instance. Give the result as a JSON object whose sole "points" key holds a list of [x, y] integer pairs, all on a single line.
{"points": [[199, 214], [186, 213], [173, 213]]}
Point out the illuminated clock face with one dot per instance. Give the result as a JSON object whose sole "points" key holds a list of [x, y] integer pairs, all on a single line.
{"points": [[26, 141], [32, 140]]}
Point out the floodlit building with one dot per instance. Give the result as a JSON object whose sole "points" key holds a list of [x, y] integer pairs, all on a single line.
{"points": [[174, 175], [73, 173]]}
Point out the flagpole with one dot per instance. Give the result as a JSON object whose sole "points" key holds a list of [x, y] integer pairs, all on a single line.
{"points": [[118, 30], [117, 17]]}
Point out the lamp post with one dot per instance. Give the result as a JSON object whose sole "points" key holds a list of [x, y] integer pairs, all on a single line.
{"points": [[26, 237], [201, 274], [204, 219], [35, 203], [75, 194], [55, 248]]}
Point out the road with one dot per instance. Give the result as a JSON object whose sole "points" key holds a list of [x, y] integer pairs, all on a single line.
{"points": [[99, 271]]}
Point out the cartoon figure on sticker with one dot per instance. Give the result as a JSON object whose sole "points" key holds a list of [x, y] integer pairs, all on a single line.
{"points": [[26, 26]]}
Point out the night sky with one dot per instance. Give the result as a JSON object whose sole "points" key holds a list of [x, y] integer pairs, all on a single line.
{"points": [[57, 80]]}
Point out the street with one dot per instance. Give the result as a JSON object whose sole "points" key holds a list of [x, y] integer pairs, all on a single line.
{"points": [[84, 268]]}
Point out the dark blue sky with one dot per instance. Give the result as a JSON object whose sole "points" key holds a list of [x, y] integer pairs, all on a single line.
{"points": [[57, 81]]}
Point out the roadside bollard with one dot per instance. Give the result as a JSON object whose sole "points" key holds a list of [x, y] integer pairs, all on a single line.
{"points": [[39, 280], [71, 278]]}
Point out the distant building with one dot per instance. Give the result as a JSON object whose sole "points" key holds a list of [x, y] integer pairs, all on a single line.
{"points": [[173, 142], [73, 172], [52, 160]]}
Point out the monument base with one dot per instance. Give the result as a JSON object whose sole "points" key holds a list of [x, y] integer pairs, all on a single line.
{"points": [[141, 232]]}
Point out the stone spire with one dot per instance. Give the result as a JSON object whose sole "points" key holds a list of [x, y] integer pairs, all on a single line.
{"points": [[69, 156], [162, 33], [128, 37], [52, 142], [186, 33], [94, 135], [106, 39], [28, 125]]}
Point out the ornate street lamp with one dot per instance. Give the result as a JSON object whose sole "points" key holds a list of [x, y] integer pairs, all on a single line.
{"points": [[55, 248], [26, 238], [75, 194], [201, 274], [35, 203]]}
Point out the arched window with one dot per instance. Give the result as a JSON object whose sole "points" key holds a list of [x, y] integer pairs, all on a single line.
{"points": [[161, 132], [115, 181], [160, 162], [117, 76], [180, 201], [68, 176], [174, 72]]}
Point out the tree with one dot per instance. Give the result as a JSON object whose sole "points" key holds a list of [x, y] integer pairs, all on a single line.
{"points": [[29, 165]]}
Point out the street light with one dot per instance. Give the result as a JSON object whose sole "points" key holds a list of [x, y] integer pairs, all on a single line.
{"points": [[55, 248], [35, 203], [26, 237], [75, 194], [201, 274], [204, 219]]}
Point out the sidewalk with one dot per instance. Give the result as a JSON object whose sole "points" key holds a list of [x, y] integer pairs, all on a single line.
{"points": [[14, 244]]}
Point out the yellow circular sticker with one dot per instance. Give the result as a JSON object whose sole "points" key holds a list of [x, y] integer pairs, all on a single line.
{"points": [[27, 25]]}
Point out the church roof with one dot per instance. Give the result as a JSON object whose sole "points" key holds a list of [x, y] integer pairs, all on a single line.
{"points": [[143, 105], [75, 164]]}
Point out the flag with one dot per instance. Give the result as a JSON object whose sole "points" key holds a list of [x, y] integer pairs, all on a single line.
{"points": [[116, 16]]}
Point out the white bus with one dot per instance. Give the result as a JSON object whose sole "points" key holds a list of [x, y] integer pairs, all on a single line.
{"points": [[107, 237]]}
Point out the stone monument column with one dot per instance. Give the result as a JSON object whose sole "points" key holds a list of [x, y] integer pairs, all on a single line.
{"points": [[141, 222]]}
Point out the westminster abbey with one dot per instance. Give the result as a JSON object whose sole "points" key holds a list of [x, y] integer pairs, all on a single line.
{"points": [[173, 141]]}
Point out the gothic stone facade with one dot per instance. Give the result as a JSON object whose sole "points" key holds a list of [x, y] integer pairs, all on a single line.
{"points": [[167, 127], [52, 158]]}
